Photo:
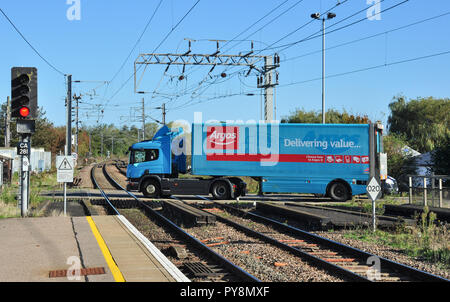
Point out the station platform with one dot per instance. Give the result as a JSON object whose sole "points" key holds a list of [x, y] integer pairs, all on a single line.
{"points": [[80, 249]]}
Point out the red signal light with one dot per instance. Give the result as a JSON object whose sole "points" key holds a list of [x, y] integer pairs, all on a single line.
{"points": [[24, 111]]}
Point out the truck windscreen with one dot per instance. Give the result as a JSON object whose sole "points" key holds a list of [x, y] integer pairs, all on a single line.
{"points": [[140, 156]]}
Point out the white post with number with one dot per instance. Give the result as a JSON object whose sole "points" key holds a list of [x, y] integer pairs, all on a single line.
{"points": [[374, 191]]}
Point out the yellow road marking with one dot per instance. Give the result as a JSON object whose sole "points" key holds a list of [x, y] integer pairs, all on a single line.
{"points": [[108, 257]]}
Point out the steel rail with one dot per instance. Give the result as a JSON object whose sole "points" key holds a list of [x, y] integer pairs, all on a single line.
{"points": [[111, 208], [315, 261], [386, 263], [245, 276], [168, 266]]}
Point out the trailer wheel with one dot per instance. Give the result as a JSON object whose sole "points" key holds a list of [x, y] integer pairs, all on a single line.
{"points": [[151, 189], [339, 191], [220, 190]]}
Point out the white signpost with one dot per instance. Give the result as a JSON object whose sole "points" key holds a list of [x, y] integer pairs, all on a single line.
{"points": [[374, 191], [25, 164], [64, 166]]}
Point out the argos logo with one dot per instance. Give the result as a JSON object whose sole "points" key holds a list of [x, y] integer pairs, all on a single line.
{"points": [[223, 138]]}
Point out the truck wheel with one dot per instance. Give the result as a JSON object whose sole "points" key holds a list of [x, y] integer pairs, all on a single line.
{"points": [[151, 189], [221, 190], [339, 191]]}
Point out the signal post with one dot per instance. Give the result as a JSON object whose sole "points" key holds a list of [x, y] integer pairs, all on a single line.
{"points": [[24, 110]]}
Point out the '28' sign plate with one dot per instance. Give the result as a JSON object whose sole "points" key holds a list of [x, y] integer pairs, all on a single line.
{"points": [[23, 148]]}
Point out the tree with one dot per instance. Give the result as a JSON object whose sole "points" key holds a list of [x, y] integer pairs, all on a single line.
{"points": [[332, 116], [45, 137], [424, 122], [398, 162], [441, 159]]}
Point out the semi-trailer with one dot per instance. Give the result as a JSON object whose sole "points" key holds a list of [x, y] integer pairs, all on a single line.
{"points": [[330, 159]]}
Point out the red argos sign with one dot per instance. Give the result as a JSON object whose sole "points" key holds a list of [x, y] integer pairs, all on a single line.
{"points": [[222, 138]]}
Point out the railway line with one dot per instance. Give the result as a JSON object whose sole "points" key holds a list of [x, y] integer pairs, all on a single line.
{"points": [[192, 256], [324, 252], [314, 255]]}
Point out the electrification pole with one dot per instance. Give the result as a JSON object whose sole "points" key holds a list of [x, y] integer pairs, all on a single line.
{"points": [[164, 113], [77, 98], [268, 83], [328, 17], [101, 145], [143, 119], [112, 146], [8, 123], [323, 70], [69, 117]]}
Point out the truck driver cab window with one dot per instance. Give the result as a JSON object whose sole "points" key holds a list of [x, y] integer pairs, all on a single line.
{"points": [[140, 156]]}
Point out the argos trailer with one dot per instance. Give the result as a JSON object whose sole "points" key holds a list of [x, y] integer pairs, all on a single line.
{"points": [[329, 159]]}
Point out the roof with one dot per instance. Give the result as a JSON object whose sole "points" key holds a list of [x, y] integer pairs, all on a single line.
{"points": [[424, 159], [4, 156]]}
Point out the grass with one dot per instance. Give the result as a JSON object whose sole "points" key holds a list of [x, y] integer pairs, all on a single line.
{"points": [[38, 182], [427, 239], [365, 205]]}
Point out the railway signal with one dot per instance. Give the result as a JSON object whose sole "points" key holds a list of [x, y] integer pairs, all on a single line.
{"points": [[24, 92], [24, 109]]}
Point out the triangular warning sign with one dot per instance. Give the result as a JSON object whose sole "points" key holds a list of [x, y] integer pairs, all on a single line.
{"points": [[65, 165]]}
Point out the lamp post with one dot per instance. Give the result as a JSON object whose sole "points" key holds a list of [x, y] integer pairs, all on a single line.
{"points": [[328, 16]]}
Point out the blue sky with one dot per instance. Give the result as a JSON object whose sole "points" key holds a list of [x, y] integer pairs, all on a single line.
{"points": [[95, 47]]}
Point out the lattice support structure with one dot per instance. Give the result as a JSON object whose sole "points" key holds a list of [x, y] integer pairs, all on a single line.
{"points": [[249, 60]]}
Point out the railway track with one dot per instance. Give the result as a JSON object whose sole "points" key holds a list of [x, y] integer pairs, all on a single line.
{"points": [[189, 254], [330, 255]]}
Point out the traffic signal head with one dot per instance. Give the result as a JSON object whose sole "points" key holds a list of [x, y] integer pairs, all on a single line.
{"points": [[24, 92]]}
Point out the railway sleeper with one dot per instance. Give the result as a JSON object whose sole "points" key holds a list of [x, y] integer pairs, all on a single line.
{"points": [[324, 253], [384, 275]]}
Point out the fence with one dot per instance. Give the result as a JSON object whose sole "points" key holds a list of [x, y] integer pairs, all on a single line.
{"points": [[429, 190], [40, 160]]}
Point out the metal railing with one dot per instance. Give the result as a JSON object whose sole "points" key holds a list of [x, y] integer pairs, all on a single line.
{"points": [[429, 190]]}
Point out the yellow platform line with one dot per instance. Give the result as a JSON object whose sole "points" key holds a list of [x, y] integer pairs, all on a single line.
{"points": [[118, 277]]}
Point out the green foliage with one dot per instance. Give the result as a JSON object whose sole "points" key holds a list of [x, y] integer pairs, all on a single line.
{"points": [[53, 138], [332, 116], [397, 161], [8, 195], [424, 122], [441, 159], [427, 239], [110, 138]]}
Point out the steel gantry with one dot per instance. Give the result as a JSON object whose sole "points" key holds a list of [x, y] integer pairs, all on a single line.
{"points": [[266, 78]]}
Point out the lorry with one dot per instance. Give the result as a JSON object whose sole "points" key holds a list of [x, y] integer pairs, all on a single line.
{"points": [[334, 160]]}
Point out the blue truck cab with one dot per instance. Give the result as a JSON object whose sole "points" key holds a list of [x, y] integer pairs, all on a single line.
{"points": [[155, 165]]}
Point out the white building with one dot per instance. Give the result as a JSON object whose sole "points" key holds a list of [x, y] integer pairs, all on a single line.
{"points": [[40, 160]]}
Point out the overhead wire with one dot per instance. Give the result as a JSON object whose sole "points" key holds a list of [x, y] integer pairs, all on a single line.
{"points": [[162, 41], [368, 37], [190, 70], [316, 35], [137, 41], [31, 46], [300, 27], [369, 68]]}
